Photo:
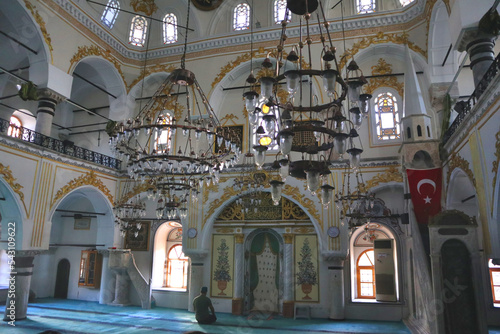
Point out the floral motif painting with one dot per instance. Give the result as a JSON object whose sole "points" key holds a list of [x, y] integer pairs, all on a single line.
{"points": [[306, 268], [222, 266]]}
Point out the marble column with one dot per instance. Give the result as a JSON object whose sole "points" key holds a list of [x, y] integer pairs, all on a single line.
{"points": [[196, 266], [47, 101], [19, 286], [336, 276], [238, 280], [288, 291]]}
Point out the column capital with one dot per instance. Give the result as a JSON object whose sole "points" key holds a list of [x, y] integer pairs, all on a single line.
{"points": [[469, 35], [196, 254], [288, 238], [239, 238], [46, 93], [334, 258]]}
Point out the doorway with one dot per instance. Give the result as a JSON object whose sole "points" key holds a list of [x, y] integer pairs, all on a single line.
{"points": [[62, 280]]}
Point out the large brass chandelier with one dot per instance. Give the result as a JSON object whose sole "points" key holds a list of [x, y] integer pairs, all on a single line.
{"points": [[175, 144], [310, 134]]}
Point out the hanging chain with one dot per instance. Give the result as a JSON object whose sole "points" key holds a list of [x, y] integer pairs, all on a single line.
{"points": [[183, 59]]}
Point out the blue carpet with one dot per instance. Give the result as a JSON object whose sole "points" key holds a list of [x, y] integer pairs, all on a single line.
{"points": [[73, 316]]}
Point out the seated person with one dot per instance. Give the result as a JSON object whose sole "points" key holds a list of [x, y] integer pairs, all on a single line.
{"points": [[201, 305]]}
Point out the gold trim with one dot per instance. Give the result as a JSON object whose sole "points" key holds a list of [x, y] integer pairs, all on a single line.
{"points": [[239, 238], [383, 68], [90, 179], [41, 23], [288, 237], [147, 7], [11, 180], [151, 70], [225, 230], [307, 203], [227, 118], [457, 161], [303, 230], [379, 38], [390, 175], [94, 50]]}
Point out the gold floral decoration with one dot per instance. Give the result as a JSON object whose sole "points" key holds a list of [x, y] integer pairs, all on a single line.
{"points": [[291, 211], [89, 179], [379, 38], [390, 175], [306, 203], [225, 230], [231, 212], [151, 70], [239, 238], [6, 173], [147, 7], [228, 192], [41, 24], [497, 161], [383, 68], [303, 230], [457, 161], [94, 50]]}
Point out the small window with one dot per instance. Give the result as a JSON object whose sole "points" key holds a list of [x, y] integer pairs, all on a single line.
{"points": [[366, 6], [419, 131], [241, 20], [169, 29], [176, 268], [408, 129], [15, 127], [138, 30], [365, 271], [110, 13], [280, 12], [387, 117], [163, 136], [405, 2], [495, 282], [428, 132]]}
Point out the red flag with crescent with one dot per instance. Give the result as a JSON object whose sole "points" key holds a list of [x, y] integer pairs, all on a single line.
{"points": [[425, 190]]}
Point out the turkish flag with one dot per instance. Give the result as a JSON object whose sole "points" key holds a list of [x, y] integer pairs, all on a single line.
{"points": [[425, 190]]}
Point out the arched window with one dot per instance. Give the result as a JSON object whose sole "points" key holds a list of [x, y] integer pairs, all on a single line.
{"points": [[15, 127], [170, 28], [163, 137], [176, 268], [365, 6], [387, 116], [110, 13], [495, 282], [241, 19], [365, 272], [419, 131], [405, 2], [280, 11], [138, 30]]}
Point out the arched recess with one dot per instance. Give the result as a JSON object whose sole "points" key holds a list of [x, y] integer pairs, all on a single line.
{"points": [[11, 211], [205, 235], [92, 203], [439, 41], [461, 195], [161, 246]]}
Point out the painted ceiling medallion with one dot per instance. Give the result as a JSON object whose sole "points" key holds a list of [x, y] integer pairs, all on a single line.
{"points": [[147, 7], [207, 4]]}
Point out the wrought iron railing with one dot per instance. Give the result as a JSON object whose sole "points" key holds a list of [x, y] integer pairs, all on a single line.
{"points": [[63, 147], [468, 105]]}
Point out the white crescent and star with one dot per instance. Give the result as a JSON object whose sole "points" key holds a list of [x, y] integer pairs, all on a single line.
{"points": [[427, 199]]}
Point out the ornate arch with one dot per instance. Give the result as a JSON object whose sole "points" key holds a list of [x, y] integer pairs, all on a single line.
{"points": [[392, 174], [88, 179], [41, 23], [457, 161]]}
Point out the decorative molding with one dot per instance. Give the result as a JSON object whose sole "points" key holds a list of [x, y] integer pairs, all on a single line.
{"points": [[496, 162], [225, 230], [303, 230], [368, 22], [383, 68], [94, 50], [147, 7], [11, 180], [41, 23], [88, 179], [390, 175], [379, 38], [457, 161]]}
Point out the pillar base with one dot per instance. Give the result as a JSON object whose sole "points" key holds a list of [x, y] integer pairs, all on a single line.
{"points": [[237, 308], [288, 309]]}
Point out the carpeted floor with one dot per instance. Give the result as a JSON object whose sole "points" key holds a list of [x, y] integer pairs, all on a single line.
{"points": [[72, 316]]}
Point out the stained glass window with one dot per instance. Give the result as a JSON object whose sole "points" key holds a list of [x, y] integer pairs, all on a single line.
{"points": [[366, 275], [15, 127], [405, 2], [387, 117], [138, 30], [366, 6], [110, 13], [169, 28], [280, 11], [241, 19], [176, 268]]}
